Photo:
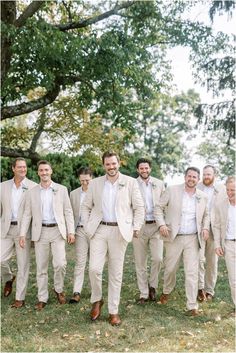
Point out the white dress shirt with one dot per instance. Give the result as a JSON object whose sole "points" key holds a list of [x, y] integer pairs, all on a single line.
{"points": [[188, 216], [148, 199], [209, 190], [47, 205], [82, 196], [231, 229], [16, 194], [109, 201]]}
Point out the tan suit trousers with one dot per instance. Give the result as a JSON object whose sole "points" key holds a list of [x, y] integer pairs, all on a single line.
{"points": [[107, 243], [148, 240], [81, 254], [230, 259], [8, 245], [185, 246], [208, 266], [50, 239]]}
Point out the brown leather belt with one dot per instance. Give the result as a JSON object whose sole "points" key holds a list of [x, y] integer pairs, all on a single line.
{"points": [[80, 226], [14, 223], [109, 223], [150, 222], [49, 225], [231, 239]]}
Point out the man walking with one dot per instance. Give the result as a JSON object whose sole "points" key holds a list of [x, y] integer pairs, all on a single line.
{"points": [[12, 206], [81, 239], [208, 258], [151, 189], [182, 217], [112, 213], [48, 206], [224, 230]]}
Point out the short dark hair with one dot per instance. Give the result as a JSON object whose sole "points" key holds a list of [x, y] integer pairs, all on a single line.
{"points": [[16, 160], [195, 169], [43, 161], [108, 154], [84, 170], [143, 160], [210, 166]]}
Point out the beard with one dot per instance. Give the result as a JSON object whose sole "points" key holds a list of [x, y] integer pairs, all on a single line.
{"points": [[208, 181], [144, 176]]}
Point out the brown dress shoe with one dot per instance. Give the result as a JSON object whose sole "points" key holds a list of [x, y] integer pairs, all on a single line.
{"points": [[164, 298], [152, 294], [18, 304], [8, 287], [193, 312], [142, 301], [209, 297], [40, 305], [75, 299], [61, 297], [96, 310], [201, 297], [114, 319]]}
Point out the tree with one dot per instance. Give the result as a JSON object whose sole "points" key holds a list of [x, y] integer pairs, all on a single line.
{"points": [[100, 50]]}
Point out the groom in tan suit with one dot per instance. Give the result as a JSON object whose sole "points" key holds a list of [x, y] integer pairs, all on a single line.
{"points": [[224, 230], [112, 213], [12, 206], [183, 221], [48, 206]]}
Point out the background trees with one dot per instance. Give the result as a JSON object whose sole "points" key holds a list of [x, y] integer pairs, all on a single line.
{"points": [[79, 77]]}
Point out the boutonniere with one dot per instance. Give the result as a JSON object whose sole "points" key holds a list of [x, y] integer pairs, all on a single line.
{"points": [[198, 198], [24, 188], [54, 191], [154, 186], [121, 185]]}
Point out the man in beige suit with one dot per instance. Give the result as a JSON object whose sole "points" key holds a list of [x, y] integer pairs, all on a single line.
{"points": [[224, 230], [183, 221], [112, 213], [12, 205], [151, 189], [48, 206], [208, 259], [81, 239]]}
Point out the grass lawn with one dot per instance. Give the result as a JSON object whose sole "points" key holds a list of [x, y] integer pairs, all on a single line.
{"points": [[149, 328]]}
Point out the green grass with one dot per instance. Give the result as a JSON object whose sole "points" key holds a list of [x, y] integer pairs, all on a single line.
{"points": [[149, 328]]}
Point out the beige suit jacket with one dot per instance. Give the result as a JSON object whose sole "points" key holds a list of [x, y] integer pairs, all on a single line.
{"points": [[75, 203], [129, 206], [6, 207], [218, 195], [219, 226], [61, 207], [168, 212]]}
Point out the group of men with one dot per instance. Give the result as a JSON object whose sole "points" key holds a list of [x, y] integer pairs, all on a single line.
{"points": [[195, 221]]}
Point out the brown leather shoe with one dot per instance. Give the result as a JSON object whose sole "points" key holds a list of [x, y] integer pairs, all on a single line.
{"points": [[193, 312], [152, 294], [96, 310], [114, 319], [209, 297], [40, 305], [201, 297], [142, 301], [75, 299], [164, 298], [18, 304], [8, 287], [61, 297]]}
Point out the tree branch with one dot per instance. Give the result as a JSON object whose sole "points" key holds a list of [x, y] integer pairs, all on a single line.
{"points": [[14, 153], [95, 19], [24, 108], [28, 12], [40, 128]]}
